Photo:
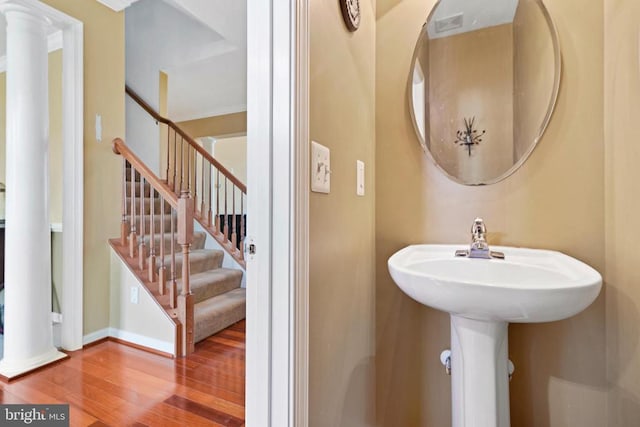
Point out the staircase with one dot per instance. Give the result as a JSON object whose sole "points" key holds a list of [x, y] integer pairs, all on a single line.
{"points": [[158, 243]]}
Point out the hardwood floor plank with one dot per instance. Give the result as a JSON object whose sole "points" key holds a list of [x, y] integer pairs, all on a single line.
{"points": [[211, 401], [109, 384], [185, 416], [230, 342], [205, 411], [232, 335]]}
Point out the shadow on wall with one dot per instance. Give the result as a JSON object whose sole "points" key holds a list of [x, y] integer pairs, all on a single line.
{"points": [[358, 401], [622, 343], [554, 358], [413, 388]]}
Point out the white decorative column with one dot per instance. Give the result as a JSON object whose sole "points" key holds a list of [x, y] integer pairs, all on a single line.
{"points": [[28, 340]]}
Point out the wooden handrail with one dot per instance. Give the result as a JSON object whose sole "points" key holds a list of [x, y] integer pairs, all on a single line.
{"points": [[187, 138], [119, 147]]}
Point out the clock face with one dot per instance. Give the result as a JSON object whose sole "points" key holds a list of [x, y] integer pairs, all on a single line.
{"points": [[351, 13]]}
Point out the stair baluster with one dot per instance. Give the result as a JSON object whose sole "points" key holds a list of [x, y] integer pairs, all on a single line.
{"points": [[181, 165], [202, 191], [152, 238], [173, 286], [217, 230], [142, 250], [226, 213], [175, 160], [193, 190], [234, 234], [162, 271], [210, 187], [133, 238], [242, 232], [124, 226], [168, 154]]}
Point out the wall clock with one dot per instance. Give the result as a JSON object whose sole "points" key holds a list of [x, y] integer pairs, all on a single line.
{"points": [[351, 13]]}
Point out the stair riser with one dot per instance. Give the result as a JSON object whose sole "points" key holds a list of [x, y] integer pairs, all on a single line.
{"points": [[217, 286], [207, 323]]}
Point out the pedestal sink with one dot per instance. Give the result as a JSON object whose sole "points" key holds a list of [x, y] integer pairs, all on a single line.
{"points": [[483, 296]]}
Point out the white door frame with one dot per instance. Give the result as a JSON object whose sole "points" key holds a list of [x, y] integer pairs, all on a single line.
{"points": [[72, 182], [277, 165], [73, 169]]}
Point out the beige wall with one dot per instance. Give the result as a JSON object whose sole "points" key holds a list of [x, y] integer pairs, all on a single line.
{"points": [[104, 95], [55, 137], [622, 157], [232, 153], [145, 323], [465, 70], [228, 124], [341, 294], [555, 201]]}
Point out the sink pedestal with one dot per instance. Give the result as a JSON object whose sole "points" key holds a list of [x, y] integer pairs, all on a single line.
{"points": [[479, 373]]}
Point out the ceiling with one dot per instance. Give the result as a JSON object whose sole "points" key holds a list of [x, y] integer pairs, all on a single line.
{"points": [[201, 45], [476, 14]]}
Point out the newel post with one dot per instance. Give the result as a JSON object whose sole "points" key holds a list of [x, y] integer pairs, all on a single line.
{"points": [[185, 299]]}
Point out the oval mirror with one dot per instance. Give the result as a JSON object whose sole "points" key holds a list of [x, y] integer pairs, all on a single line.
{"points": [[484, 81]]}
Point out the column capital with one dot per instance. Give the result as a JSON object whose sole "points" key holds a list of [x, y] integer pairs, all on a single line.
{"points": [[29, 8]]}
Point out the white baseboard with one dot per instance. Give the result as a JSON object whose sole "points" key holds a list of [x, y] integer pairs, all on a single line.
{"points": [[95, 336], [153, 343], [141, 340]]}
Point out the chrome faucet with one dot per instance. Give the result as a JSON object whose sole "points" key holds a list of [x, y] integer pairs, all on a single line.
{"points": [[479, 247]]}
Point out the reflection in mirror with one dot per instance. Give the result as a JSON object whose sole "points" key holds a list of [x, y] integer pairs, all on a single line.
{"points": [[484, 81]]}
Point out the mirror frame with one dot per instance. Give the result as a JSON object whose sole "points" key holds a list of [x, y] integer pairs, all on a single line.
{"points": [[557, 56]]}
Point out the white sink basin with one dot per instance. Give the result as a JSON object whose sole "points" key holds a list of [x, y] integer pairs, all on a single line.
{"points": [[529, 285], [483, 296]]}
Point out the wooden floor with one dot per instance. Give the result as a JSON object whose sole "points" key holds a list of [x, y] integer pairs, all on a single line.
{"points": [[116, 385]]}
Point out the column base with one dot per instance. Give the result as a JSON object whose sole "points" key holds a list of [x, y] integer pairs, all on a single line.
{"points": [[12, 369]]}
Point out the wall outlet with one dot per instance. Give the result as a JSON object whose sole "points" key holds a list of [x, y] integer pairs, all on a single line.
{"points": [[135, 295], [320, 168], [359, 177]]}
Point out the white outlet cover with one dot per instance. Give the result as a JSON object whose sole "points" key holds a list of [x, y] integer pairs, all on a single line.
{"points": [[135, 293], [320, 168]]}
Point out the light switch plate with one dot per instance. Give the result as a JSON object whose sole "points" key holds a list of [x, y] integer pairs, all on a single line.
{"points": [[359, 177], [98, 128], [320, 168]]}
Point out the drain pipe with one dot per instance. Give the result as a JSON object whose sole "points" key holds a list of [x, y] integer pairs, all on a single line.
{"points": [[445, 359]]}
